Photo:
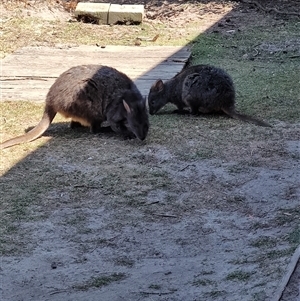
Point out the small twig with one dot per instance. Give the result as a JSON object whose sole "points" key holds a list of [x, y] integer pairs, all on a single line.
{"points": [[84, 186], [148, 39], [256, 45], [155, 202], [293, 56], [184, 168], [23, 78], [165, 215], [157, 293], [256, 52], [59, 291]]}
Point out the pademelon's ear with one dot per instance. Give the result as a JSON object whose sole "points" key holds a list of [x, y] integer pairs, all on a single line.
{"points": [[126, 106], [158, 85]]}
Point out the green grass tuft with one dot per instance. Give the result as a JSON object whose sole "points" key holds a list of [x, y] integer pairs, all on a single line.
{"points": [[267, 82], [98, 282], [239, 276]]}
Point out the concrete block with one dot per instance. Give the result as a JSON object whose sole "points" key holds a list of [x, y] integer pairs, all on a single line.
{"points": [[125, 13], [98, 12]]}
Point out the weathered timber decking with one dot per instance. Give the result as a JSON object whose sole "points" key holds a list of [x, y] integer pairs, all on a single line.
{"points": [[29, 73]]}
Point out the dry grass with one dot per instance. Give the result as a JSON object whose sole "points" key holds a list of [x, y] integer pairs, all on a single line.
{"points": [[49, 24]]}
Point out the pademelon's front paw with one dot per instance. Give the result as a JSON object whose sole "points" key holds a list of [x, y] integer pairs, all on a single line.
{"points": [[129, 136], [181, 112]]}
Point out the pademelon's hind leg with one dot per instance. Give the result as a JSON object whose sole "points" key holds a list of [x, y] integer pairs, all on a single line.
{"points": [[96, 126], [75, 124], [188, 101], [204, 110]]}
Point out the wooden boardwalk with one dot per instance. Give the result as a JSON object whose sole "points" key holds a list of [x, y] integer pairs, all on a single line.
{"points": [[28, 73]]}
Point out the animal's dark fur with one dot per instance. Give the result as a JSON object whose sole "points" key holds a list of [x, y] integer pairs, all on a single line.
{"points": [[202, 88], [89, 95]]}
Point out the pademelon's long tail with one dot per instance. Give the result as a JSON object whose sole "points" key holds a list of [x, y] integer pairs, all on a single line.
{"points": [[232, 113], [35, 133]]}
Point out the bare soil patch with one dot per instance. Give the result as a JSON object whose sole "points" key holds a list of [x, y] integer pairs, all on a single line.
{"points": [[206, 208]]}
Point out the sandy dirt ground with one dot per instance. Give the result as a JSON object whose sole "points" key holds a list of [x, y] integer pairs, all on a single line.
{"points": [[144, 222]]}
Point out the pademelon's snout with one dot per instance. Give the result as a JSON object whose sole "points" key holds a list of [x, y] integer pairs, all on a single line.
{"points": [[152, 111], [142, 138], [142, 133]]}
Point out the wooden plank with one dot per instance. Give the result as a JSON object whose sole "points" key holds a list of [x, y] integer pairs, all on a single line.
{"points": [[29, 72], [26, 74], [141, 63], [40, 95], [111, 51], [42, 55], [73, 60], [132, 55]]}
